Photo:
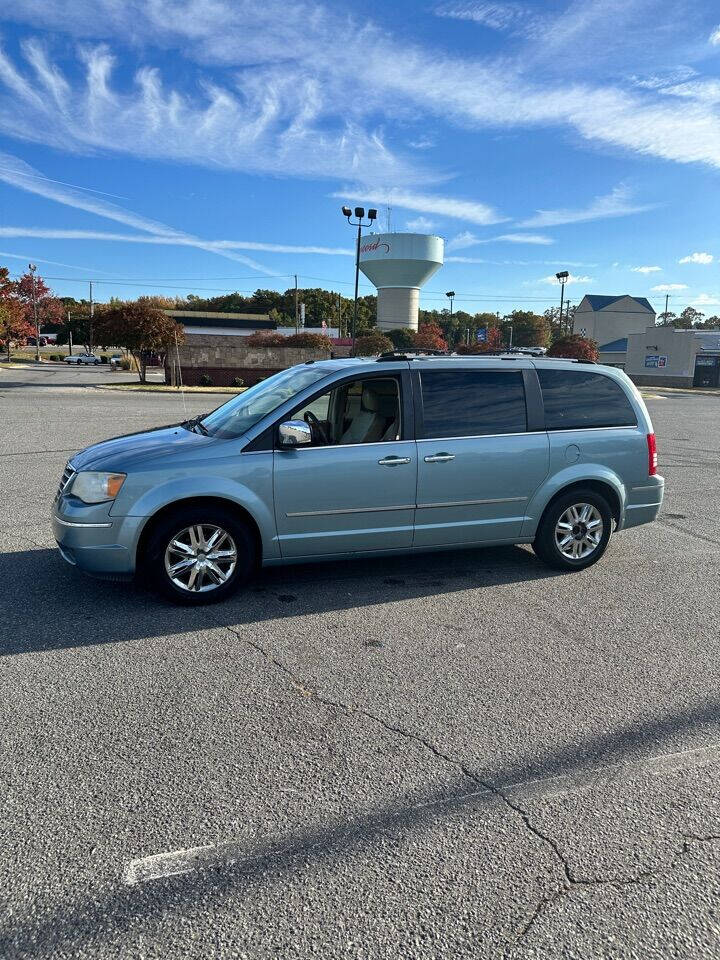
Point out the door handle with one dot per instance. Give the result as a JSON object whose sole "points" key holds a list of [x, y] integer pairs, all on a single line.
{"points": [[393, 461], [440, 458]]}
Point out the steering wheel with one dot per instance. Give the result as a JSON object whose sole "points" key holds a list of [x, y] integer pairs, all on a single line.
{"points": [[315, 424]]}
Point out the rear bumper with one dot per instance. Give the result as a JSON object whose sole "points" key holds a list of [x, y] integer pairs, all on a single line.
{"points": [[644, 503]]}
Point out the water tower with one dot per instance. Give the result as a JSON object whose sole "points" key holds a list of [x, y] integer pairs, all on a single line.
{"points": [[399, 264]]}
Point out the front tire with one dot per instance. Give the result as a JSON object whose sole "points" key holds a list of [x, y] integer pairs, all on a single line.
{"points": [[574, 530], [200, 555]]}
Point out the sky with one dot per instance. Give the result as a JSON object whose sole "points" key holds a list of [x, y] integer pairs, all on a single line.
{"points": [[202, 146]]}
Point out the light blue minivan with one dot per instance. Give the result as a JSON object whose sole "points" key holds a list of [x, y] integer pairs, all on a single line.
{"points": [[366, 457]]}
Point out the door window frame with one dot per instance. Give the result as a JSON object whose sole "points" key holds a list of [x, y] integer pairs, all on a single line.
{"points": [[268, 439], [534, 410]]}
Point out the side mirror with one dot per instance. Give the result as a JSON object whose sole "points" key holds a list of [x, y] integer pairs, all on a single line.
{"points": [[294, 433]]}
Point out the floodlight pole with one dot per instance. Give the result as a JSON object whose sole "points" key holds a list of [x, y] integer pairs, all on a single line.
{"points": [[563, 278], [360, 214]]}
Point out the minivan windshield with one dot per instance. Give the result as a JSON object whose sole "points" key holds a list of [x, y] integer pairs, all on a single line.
{"points": [[235, 417]]}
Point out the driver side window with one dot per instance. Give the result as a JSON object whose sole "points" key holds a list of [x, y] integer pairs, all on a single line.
{"points": [[363, 411]]}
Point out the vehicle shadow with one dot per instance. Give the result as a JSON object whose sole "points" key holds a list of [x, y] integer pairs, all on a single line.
{"points": [[50, 605]]}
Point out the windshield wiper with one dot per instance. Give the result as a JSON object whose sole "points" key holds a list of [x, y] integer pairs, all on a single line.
{"points": [[196, 422]]}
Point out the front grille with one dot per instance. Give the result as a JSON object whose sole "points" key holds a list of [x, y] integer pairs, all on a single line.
{"points": [[65, 480]]}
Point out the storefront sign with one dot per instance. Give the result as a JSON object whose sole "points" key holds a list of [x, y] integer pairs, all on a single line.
{"points": [[654, 360]]}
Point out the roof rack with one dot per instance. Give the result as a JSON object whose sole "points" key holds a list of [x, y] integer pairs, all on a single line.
{"points": [[497, 354], [411, 354]]}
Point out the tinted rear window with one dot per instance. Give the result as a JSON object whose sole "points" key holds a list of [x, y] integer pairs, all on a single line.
{"points": [[471, 403], [575, 399]]}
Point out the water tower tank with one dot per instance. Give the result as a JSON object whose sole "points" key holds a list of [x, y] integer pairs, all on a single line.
{"points": [[399, 264]]}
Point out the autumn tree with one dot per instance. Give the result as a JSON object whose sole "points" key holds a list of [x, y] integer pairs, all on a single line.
{"points": [[574, 347], [372, 344], [430, 337], [13, 324], [140, 329], [50, 309]]}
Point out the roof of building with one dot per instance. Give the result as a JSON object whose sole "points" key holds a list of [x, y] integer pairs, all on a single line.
{"points": [[598, 302], [222, 321], [615, 346]]}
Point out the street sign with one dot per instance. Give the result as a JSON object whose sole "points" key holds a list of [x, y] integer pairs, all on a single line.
{"points": [[482, 335]]}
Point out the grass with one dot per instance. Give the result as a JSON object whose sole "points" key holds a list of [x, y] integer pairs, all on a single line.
{"points": [[166, 388]]}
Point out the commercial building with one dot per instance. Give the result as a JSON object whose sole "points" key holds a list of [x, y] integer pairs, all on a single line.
{"points": [[674, 358], [609, 321], [206, 323]]}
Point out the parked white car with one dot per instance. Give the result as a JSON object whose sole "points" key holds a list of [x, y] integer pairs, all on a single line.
{"points": [[83, 358]]}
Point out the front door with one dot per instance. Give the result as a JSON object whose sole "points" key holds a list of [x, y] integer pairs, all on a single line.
{"points": [[353, 489], [478, 466]]}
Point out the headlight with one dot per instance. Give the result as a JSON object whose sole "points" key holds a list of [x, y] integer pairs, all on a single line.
{"points": [[96, 487]]}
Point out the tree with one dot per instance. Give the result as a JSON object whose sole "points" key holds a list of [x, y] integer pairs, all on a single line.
{"points": [[665, 319], [492, 344], [371, 344], [528, 329], [265, 338], [429, 337], [402, 339], [50, 309], [689, 318], [138, 328], [13, 325], [574, 347], [316, 341]]}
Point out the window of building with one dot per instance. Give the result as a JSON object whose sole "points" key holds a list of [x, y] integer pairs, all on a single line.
{"points": [[363, 411], [577, 399], [472, 403]]}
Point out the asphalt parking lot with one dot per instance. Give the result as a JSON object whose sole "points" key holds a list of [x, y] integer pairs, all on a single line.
{"points": [[458, 755]]}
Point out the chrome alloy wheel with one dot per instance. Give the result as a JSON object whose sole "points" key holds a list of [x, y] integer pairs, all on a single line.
{"points": [[201, 558], [579, 531]]}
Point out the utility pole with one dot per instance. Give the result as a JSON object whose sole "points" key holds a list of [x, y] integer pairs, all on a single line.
{"points": [[297, 315], [70, 353], [667, 300], [32, 268], [92, 314], [339, 315], [563, 278]]}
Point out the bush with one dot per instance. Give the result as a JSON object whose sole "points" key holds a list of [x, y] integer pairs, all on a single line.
{"points": [[402, 338], [315, 341], [56, 356], [238, 382], [264, 338], [372, 344], [206, 380], [125, 364], [103, 358], [574, 347]]}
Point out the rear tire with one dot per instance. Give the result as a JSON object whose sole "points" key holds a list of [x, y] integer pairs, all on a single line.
{"points": [[574, 530], [199, 555]]}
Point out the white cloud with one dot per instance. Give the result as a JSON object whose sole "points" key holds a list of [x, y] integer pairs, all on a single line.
{"points": [[518, 263], [617, 203], [269, 104], [470, 210], [538, 239], [645, 269], [506, 17], [669, 287], [462, 240], [420, 225], [697, 258], [552, 279], [715, 37], [55, 263], [217, 246], [20, 174], [706, 300]]}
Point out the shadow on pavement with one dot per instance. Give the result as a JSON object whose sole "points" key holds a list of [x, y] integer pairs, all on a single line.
{"points": [[241, 868], [50, 605]]}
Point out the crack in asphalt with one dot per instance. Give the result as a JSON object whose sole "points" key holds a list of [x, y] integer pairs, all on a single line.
{"points": [[571, 880]]}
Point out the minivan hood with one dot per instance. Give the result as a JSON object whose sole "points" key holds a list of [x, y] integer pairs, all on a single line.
{"points": [[121, 454]]}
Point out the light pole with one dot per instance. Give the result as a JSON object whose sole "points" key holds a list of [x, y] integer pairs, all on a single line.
{"points": [[32, 268], [372, 216], [562, 277], [451, 296]]}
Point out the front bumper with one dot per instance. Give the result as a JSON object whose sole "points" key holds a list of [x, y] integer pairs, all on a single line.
{"points": [[96, 543]]}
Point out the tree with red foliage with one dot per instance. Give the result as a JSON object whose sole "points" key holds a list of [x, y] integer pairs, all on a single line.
{"points": [[13, 325], [140, 329], [430, 337], [265, 338], [574, 347], [49, 308], [316, 341]]}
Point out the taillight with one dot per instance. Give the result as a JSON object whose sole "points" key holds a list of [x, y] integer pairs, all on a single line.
{"points": [[652, 455]]}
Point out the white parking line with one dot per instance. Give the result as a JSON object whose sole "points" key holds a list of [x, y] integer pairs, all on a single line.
{"points": [[177, 862]]}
